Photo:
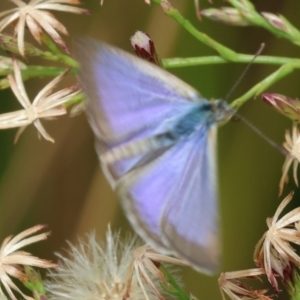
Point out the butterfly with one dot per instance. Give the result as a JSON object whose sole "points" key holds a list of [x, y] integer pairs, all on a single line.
{"points": [[155, 137]]}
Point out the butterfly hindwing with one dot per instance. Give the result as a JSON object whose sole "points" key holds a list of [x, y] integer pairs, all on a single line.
{"points": [[172, 201], [189, 222]]}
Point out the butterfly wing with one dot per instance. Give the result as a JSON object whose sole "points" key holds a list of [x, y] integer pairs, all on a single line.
{"points": [[190, 222], [171, 202], [129, 99]]}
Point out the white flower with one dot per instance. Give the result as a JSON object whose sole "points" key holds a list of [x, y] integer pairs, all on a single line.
{"points": [[146, 259], [11, 259], [45, 105], [35, 16], [292, 145], [101, 271], [230, 284], [273, 251]]}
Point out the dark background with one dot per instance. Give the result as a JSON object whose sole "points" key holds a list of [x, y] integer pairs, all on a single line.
{"points": [[61, 184]]}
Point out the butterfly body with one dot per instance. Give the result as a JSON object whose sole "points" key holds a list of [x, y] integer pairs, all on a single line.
{"points": [[204, 113], [155, 137]]}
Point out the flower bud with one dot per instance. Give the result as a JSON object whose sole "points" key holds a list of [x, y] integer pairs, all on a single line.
{"points": [[283, 104], [34, 281], [281, 23], [227, 15], [144, 47], [275, 21]]}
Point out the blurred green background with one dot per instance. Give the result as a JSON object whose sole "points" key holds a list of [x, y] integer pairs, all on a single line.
{"points": [[61, 184]]}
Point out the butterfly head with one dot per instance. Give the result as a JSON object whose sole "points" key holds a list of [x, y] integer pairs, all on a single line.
{"points": [[222, 111]]}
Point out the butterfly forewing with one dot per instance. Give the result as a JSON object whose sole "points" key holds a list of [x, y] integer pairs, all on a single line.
{"points": [[127, 100]]}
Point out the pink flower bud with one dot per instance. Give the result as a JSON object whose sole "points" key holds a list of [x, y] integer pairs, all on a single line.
{"points": [[144, 47], [281, 23], [283, 104], [275, 21], [227, 15]]}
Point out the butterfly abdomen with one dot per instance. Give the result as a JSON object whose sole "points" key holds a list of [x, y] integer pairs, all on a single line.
{"points": [[138, 147]]}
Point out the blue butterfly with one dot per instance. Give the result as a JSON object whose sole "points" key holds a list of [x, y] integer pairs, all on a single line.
{"points": [[155, 137]]}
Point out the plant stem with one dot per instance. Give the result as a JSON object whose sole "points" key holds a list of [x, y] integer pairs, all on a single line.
{"points": [[32, 72], [177, 289], [265, 83], [55, 50], [225, 52], [170, 63], [247, 9], [9, 44]]}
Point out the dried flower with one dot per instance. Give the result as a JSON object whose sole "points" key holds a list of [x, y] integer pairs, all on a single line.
{"points": [[45, 105], [35, 16], [292, 145], [144, 47], [145, 258], [273, 251], [100, 271], [284, 105], [230, 283], [226, 15], [11, 260]]}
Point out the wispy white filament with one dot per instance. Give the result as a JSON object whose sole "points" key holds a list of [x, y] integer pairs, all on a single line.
{"points": [[94, 270]]}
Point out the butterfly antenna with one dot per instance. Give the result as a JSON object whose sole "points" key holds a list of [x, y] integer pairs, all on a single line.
{"points": [[261, 48], [248, 123], [263, 136]]}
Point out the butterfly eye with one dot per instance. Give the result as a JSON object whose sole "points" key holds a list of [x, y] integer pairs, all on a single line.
{"points": [[207, 107]]}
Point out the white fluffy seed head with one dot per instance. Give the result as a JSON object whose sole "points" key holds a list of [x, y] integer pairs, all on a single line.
{"points": [[95, 270]]}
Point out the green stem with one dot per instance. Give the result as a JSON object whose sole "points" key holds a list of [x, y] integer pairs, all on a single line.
{"points": [[248, 11], [292, 285], [60, 58], [225, 52], [79, 98], [267, 82], [177, 289], [50, 44], [9, 44], [169, 63], [41, 71], [32, 72], [55, 50], [37, 71]]}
